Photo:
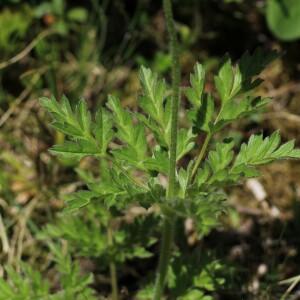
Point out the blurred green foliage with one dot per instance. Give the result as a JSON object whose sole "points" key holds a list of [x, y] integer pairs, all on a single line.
{"points": [[94, 48], [14, 27], [283, 17], [29, 284]]}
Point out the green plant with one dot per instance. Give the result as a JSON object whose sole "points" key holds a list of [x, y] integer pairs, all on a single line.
{"points": [[186, 281], [133, 165], [15, 26], [29, 284], [63, 18], [283, 18]]}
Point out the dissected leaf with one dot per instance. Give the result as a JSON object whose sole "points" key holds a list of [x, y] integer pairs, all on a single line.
{"points": [[194, 93], [88, 137], [252, 65], [261, 150], [135, 152], [158, 162], [237, 109], [202, 117], [184, 177], [65, 119], [205, 211], [208, 279], [28, 283], [220, 158], [228, 81], [83, 116], [221, 168], [154, 93], [78, 200], [123, 121], [185, 142], [216, 168], [103, 129], [155, 103], [78, 149], [194, 276]]}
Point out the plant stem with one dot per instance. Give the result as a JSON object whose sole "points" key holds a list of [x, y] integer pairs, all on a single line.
{"points": [[165, 251], [200, 156], [168, 226], [203, 148], [112, 267], [175, 97]]}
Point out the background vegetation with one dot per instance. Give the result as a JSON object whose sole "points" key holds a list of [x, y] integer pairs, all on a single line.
{"points": [[90, 49]]}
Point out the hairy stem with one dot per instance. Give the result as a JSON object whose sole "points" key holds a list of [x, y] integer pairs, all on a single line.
{"points": [[175, 95], [165, 251], [112, 267], [168, 226]]}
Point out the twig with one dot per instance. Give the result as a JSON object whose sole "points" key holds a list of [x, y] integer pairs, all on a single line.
{"points": [[27, 49], [288, 88], [3, 236], [8, 113], [25, 93], [282, 115], [293, 281], [23, 220]]}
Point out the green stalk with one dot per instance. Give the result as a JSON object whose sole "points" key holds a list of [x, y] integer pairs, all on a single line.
{"points": [[164, 258], [175, 97], [200, 156], [168, 226], [204, 148], [112, 267]]}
